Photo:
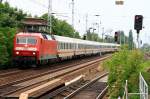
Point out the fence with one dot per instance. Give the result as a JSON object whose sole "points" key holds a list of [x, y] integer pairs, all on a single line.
{"points": [[143, 89]]}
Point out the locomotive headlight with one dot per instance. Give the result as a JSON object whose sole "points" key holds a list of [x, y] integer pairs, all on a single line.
{"points": [[17, 53], [33, 53]]}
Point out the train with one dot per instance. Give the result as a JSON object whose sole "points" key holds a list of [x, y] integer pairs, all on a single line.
{"points": [[32, 47]]}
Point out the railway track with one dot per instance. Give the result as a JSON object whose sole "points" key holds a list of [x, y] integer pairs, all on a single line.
{"points": [[16, 76], [85, 89], [9, 72], [15, 88]]}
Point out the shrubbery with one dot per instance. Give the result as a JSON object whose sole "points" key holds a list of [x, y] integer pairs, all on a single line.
{"points": [[10, 20], [6, 45], [124, 65]]}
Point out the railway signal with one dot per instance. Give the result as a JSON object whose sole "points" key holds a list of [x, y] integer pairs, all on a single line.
{"points": [[138, 22]]}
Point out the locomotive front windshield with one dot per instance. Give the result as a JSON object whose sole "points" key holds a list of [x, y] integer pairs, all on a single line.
{"points": [[26, 40]]}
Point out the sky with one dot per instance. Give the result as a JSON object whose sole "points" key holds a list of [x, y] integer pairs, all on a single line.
{"points": [[112, 17]]}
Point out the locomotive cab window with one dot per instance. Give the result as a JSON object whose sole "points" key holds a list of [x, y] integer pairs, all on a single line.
{"points": [[31, 40], [26, 40], [21, 40]]}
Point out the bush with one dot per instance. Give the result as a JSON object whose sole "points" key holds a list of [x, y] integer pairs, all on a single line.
{"points": [[6, 45], [3, 51], [124, 65]]}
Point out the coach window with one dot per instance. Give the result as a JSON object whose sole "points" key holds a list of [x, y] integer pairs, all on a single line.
{"points": [[77, 46], [61, 45], [58, 45], [80, 46], [67, 45], [64, 45], [72, 46]]}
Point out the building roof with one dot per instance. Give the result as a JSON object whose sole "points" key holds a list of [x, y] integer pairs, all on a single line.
{"points": [[34, 21]]}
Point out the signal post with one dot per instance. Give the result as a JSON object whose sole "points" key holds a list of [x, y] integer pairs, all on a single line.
{"points": [[138, 22]]}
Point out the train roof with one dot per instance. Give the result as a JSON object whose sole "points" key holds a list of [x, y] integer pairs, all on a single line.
{"points": [[74, 40], [68, 39], [29, 34]]}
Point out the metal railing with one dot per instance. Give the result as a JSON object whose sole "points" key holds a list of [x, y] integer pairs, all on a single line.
{"points": [[143, 89]]}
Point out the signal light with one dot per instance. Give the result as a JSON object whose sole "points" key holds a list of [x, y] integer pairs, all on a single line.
{"points": [[138, 22]]}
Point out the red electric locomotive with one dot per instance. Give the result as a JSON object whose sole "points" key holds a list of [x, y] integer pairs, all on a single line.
{"points": [[33, 46]]}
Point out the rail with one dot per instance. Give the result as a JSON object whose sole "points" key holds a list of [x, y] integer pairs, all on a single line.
{"points": [[84, 86], [61, 73]]}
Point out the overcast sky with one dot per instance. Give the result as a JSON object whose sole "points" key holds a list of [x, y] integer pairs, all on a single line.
{"points": [[112, 17]]}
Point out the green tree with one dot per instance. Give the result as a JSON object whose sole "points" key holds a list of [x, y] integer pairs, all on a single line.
{"points": [[92, 36], [61, 27], [10, 20], [10, 17], [3, 50], [130, 40], [122, 37]]}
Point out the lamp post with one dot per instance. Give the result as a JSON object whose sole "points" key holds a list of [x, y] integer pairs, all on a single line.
{"points": [[98, 23], [102, 34], [86, 23], [50, 16], [73, 13], [93, 34], [119, 3]]}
